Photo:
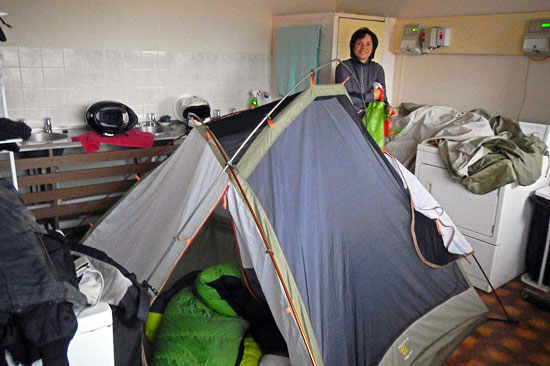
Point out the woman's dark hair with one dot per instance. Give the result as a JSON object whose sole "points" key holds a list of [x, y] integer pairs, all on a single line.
{"points": [[360, 34]]}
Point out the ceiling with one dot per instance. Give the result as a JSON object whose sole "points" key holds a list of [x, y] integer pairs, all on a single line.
{"points": [[402, 9]]}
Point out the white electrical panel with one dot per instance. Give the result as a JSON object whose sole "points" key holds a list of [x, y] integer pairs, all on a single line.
{"points": [[443, 37], [536, 42], [435, 37], [410, 42], [429, 39]]}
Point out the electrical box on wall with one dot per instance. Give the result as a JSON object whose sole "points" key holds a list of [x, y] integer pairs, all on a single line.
{"points": [[443, 37], [435, 37], [410, 42], [428, 39], [536, 42]]}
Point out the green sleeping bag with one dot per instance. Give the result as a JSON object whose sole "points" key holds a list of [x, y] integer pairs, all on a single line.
{"points": [[215, 281], [195, 332]]}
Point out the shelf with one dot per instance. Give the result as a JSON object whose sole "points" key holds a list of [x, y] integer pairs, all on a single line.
{"points": [[11, 141]]}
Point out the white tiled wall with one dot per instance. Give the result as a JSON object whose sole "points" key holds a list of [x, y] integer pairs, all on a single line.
{"points": [[62, 83]]}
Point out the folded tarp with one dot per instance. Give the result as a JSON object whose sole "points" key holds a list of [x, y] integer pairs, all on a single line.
{"points": [[297, 54]]}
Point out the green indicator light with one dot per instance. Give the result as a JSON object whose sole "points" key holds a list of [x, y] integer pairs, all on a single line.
{"points": [[545, 25], [416, 29]]}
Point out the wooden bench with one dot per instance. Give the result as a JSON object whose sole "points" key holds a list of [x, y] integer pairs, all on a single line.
{"points": [[68, 189]]}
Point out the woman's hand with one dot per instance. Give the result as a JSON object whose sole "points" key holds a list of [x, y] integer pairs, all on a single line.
{"points": [[391, 112]]}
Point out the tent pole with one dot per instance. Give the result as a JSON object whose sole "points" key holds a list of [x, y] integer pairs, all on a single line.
{"points": [[180, 230], [509, 319], [274, 108], [269, 251], [230, 162]]}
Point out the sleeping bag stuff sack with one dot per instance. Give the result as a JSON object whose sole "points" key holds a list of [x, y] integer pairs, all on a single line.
{"points": [[374, 119], [199, 327]]}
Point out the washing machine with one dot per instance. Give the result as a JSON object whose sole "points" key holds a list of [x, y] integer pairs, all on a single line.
{"points": [[92, 344], [496, 224]]}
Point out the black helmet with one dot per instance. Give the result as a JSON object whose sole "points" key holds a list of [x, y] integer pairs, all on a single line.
{"points": [[110, 118]]}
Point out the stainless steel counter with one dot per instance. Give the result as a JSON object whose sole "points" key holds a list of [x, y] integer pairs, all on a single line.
{"points": [[174, 130], [66, 188]]}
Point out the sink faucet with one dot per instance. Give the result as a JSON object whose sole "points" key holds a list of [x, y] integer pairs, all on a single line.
{"points": [[48, 125], [152, 120]]}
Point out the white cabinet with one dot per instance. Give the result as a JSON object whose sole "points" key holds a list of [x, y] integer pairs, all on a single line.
{"points": [[336, 31], [496, 224], [92, 344]]}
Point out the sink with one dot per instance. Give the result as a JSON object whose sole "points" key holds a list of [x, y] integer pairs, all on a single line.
{"points": [[151, 129], [162, 128], [43, 137], [72, 132]]}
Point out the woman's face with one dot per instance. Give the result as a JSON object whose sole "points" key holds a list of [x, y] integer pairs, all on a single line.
{"points": [[363, 48]]}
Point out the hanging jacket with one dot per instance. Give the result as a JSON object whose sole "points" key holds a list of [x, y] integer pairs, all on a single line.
{"points": [[28, 276], [37, 287]]}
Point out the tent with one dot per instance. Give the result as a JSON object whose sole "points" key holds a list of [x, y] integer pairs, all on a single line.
{"points": [[357, 261]]}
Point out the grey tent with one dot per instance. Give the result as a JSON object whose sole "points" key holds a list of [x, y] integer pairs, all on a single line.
{"points": [[356, 259]]}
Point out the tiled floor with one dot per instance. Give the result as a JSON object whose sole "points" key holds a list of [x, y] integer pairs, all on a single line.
{"points": [[496, 343]]}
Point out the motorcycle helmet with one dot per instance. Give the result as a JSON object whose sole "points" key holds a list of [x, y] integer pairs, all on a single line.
{"points": [[110, 118], [188, 106]]}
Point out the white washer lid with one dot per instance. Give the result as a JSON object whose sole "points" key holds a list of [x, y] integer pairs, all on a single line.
{"points": [[536, 129], [543, 192], [94, 317]]}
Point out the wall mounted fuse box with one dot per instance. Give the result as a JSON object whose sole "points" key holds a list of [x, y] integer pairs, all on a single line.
{"points": [[435, 37], [536, 42], [443, 37], [410, 42]]}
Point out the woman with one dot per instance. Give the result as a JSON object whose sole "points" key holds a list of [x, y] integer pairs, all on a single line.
{"points": [[360, 72]]}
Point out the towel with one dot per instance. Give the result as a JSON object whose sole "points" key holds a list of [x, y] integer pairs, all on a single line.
{"points": [[297, 54], [132, 138]]}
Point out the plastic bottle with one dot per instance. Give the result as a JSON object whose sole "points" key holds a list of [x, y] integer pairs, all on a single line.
{"points": [[254, 100]]}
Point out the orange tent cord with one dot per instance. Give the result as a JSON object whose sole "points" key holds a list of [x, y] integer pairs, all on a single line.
{"points": [[190, 241], [415, 242], [508, 317], [279, 274]]}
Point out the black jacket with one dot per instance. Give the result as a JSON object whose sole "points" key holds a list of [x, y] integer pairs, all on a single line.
{"points": [[361, 77], [29, 276], [37, 286]]}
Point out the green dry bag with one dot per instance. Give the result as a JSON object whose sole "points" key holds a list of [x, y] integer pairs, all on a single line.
{"points": [[374, 119]]}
